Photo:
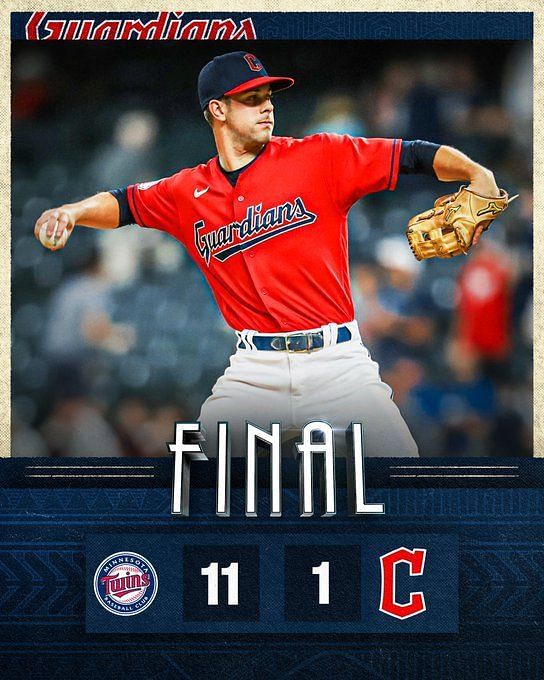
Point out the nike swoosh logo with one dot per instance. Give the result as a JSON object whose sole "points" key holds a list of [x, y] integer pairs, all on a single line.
{"points": [[198, 192]]}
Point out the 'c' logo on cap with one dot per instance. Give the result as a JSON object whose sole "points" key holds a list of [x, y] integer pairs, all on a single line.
{"points": [[253, 62]]}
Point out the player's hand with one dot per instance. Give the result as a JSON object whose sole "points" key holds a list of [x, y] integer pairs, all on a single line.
{"points": [[479, 231], [54, 227], [485, 185]]}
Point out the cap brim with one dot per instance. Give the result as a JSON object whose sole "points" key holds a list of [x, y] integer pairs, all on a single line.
{"points": [[276, 83]]}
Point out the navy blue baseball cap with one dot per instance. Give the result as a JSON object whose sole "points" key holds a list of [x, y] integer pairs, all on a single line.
{"points": [[233, 73]]}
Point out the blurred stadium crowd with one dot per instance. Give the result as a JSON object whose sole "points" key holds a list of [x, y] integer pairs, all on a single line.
{"points": [[117, 336]]}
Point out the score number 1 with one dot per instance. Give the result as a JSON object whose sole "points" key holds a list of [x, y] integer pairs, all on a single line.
{"points": [[323, 572]]}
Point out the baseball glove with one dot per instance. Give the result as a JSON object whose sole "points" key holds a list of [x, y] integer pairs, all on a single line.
{"points": [[448, 229]]}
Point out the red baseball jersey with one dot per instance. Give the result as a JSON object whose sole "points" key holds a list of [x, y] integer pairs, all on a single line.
{"points": [[274, 248]]}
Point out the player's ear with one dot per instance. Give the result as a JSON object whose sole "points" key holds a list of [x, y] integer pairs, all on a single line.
{"points": [[218, 109]]}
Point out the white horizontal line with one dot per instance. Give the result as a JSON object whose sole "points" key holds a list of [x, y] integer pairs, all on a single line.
{"points": [[89, 467], [454, 467], [95, 476], [452, 476]]}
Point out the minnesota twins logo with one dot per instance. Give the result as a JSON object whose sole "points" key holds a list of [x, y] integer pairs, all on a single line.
{"points": [[125, 583], [256, 227]]}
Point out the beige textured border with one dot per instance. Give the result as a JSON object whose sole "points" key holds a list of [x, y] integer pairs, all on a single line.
{"points": [[8, 6]]}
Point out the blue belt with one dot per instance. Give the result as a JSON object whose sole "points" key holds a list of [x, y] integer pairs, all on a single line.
{"points": [[296, 342]]}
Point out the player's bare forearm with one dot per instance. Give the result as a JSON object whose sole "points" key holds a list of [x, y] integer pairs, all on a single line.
{"points": [[54, 226], [100, 211], [451, 165]]}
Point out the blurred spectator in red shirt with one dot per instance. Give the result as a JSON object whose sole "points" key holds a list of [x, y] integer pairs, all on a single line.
{"points": [[484, 314]]}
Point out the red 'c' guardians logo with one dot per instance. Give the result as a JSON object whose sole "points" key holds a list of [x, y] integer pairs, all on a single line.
{"points": [[253, 63]]}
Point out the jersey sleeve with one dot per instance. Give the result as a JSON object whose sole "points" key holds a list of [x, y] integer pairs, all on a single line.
{"points": [[359, 166], [152, 204]]}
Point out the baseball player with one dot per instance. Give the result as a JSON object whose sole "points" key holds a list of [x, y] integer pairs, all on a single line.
{"points": [[266, 222]]}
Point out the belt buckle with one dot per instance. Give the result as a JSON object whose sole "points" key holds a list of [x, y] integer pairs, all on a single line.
{"points": [[300, 339]]}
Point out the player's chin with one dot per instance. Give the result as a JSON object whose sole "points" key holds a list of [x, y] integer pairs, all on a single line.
{"points": [[263, 133]]}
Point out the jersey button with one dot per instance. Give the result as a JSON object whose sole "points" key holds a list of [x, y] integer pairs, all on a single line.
{"points": [[240, 198], [251, 254], [264, 291], [284, 323]]}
